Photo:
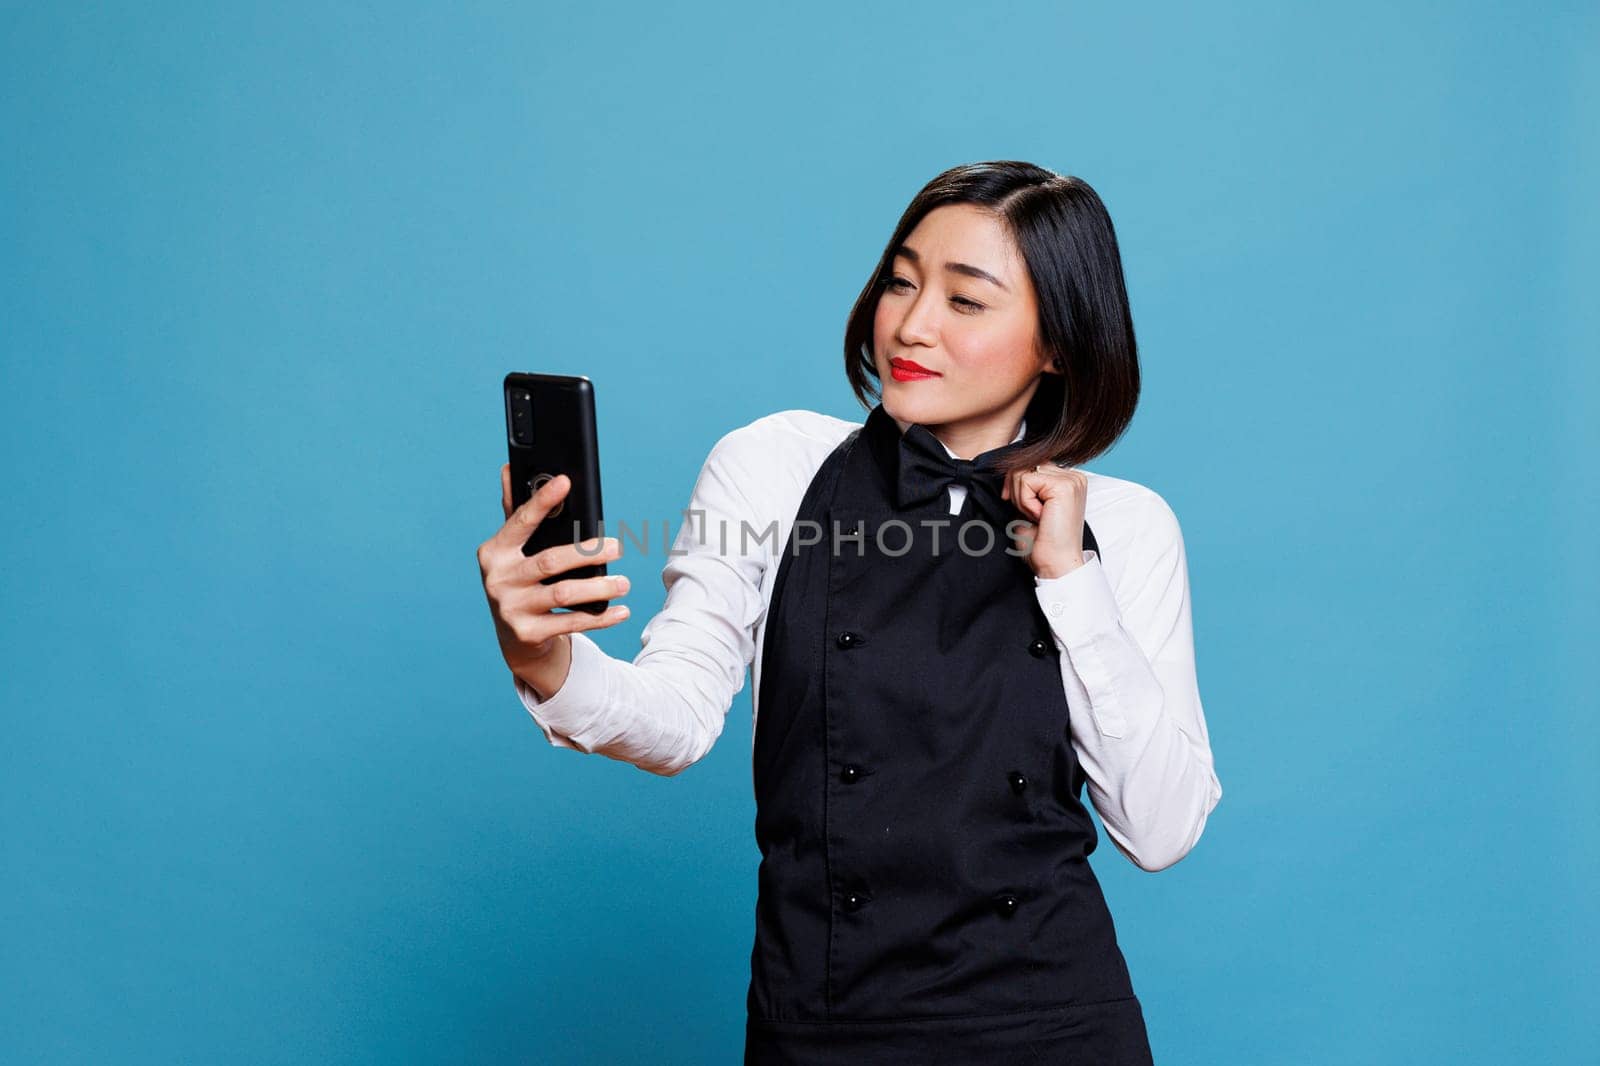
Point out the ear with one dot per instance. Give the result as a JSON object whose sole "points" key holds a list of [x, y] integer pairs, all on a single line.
{"points": [[1052, 365]]}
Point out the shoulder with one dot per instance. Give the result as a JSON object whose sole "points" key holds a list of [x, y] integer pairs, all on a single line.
{"points": [[768, 463], [782, 445], [795, 427], [1132, 522]]}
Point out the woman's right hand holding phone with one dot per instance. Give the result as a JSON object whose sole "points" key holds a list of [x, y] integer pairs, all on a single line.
{"points": [[534, 638]]}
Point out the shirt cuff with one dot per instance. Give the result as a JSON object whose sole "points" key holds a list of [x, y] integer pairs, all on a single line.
{"points": [[576, 702], [1078, 604]]}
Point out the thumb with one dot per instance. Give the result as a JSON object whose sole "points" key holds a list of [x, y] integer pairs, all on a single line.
{"points": [[1024, 533]]}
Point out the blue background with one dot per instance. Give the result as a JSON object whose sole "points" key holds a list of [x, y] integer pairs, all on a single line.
{"points": [[268, 794]]}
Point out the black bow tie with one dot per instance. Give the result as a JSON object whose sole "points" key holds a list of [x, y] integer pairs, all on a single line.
{"points": [[927, 470]]}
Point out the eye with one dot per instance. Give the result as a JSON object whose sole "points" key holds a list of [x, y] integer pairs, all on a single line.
{"points": [[966, 306]]}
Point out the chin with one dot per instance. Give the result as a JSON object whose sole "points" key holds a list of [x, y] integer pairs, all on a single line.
{"points": [[923, 410]]}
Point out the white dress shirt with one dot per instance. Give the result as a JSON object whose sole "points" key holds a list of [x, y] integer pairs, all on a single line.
{"points": [[1122, 627]]}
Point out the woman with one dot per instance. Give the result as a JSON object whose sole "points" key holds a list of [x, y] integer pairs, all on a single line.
{"points": [[941, 657]]}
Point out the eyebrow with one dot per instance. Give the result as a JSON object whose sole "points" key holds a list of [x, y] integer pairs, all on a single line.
{"points": [[959, 268]]}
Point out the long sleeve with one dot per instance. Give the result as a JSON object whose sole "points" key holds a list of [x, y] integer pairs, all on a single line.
{"points": [[663, 711], [1129, 661]]}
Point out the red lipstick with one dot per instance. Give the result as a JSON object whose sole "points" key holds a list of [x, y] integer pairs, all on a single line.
{"points": [[907, 370]]}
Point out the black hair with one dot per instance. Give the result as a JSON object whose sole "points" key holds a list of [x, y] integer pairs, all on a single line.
{"points": [[1070, 251]]}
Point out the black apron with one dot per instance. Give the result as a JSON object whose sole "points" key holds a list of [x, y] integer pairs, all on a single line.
{"points": [[924, 894]]}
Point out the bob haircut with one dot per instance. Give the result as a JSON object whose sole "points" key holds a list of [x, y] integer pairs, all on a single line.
{"points": [[1070, 250]]}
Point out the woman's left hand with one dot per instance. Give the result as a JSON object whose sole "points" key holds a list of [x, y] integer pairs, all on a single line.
{"points": [[1052, 498]]}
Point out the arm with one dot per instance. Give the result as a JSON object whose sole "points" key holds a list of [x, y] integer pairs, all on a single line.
{"points": [[663, 711], [1143, 743]]}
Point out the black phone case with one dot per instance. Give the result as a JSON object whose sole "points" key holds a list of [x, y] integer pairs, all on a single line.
{"points": [[561, 440]]}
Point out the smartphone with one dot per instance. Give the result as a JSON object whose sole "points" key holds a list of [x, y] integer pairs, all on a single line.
{"points": [[550, 430]]}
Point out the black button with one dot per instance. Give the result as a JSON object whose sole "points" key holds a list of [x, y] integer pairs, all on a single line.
{"points": [[854, 901], [1018, 782], [1040, 648], [1006, 905], [849, 774], [848, 639]]}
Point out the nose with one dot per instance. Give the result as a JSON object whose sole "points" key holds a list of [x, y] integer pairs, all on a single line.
{"points": [[917, 325]]}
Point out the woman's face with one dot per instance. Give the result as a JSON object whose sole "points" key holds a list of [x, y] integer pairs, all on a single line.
{"points": [[959, 304]]}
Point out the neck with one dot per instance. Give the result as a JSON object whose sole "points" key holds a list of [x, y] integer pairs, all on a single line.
{"points": [[968, 440]]}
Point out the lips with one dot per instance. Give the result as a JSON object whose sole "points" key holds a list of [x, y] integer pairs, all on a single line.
{"points": [[907, 370]]}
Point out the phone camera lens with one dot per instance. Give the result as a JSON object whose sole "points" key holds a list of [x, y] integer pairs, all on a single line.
{"points": [[521, 423]]}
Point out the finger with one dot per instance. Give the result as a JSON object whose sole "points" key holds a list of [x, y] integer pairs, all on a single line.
{"points": [[1025, 534], [1026, 494], [539, 599], [546, 622], [560, 558], [521, 523], [573, 621], [572, 591], [505, 488], [553, 625], [1067, 484], [1025, 481]]}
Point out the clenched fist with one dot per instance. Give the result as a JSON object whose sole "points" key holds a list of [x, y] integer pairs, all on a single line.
{"points": [[1053, 499]]}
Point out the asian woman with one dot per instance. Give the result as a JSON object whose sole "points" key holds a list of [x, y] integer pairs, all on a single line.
{"points": [[952, 631]]}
